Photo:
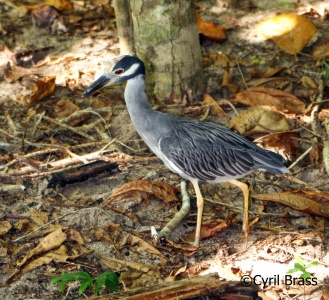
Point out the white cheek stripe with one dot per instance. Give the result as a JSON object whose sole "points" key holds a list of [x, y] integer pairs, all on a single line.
{"points": [[131, 70]]}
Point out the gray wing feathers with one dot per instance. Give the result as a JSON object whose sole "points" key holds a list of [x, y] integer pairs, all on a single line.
{"points": [[206, 151]]}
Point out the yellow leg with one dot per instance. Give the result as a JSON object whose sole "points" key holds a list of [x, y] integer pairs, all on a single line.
{"points": [[245, 190], [199, 202]]}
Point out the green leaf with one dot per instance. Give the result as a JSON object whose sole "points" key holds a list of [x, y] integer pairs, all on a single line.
{"points": [[108, 279], [325, 74], [64, 279], [85, 284], [305, 275], [298, 260], [312, 264], [292, 271], [299, 267]]}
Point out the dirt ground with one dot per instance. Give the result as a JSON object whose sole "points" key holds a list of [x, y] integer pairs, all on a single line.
{"points": [[51, 213]]}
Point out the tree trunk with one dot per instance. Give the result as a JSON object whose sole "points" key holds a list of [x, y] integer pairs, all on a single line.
{"points": [[124, 26], [165, 37]]}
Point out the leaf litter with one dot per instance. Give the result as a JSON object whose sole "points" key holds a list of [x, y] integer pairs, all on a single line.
{"points": [[58, 230]]}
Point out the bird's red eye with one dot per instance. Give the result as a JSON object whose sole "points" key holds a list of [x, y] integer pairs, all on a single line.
{"points": [[119, 71]]}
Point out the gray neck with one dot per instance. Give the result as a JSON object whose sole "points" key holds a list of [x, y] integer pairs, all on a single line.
{"points": [[139, 108], [150, 124]]}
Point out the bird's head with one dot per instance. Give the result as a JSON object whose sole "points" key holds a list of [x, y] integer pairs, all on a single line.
{"points": [[119, 69]]}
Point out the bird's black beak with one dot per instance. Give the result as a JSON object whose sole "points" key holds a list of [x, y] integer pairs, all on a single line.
{"points": [[100, 82]]}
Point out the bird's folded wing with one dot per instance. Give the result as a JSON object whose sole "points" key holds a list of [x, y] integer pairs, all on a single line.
{"points": [[204, 160]]}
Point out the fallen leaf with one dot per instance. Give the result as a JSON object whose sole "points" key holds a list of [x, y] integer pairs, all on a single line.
{"points": [[306, 201], [39, 217], [271, 72], [18, 12], [309, 83], [285, 143], [58, 4], [208, 230], [215, 109], [259, 119], [210, 31], [324, 114], [290, 32], [221, 60], [65, 108], [49, 18], [59, 255], [74, 235], [130, 240], [5, 226], [267, 96], [43, 89], [51, 241], [14, 73], [110, 261], [139, 190], [321, 50], [134, 280]]}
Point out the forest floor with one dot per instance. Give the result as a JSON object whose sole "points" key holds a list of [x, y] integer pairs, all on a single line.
{"points": [[62, 157]]}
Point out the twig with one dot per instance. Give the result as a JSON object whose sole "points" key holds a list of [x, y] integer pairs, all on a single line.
{"points": [[58, 164], [301, 157], [87, 136], [10, 122], [240, 71], [46, 225], [230, 104], [37, 123], [55, 220]]}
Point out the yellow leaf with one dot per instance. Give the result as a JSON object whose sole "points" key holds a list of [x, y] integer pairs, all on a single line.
{"points": [[289, 32], [306, 201], [268, 96]]}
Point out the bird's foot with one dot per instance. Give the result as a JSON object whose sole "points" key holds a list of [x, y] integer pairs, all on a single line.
{"points": [[178, 217]]}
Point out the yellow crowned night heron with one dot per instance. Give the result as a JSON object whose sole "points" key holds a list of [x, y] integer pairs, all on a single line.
{"points": [[197, 151]]}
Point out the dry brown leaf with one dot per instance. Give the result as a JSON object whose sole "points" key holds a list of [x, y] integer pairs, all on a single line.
{"points": [[74, 235], [271, 72], [227, 80], [306, 201], [309, 83], [321, 50], [208, 230], [65, 108], [39, 217], [221, 60], [259, 119], [215, 109], [5, 226], [60, 255], [139, 190], [137, 280], [58, 4], [15, 73], [174, 273], [51, 241], [141, 245], [25, 225], [43, 89], [286, 143], [325, 292], [289, 32], [324, 114], [110, 261], [267, 96], [210, 31]]}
